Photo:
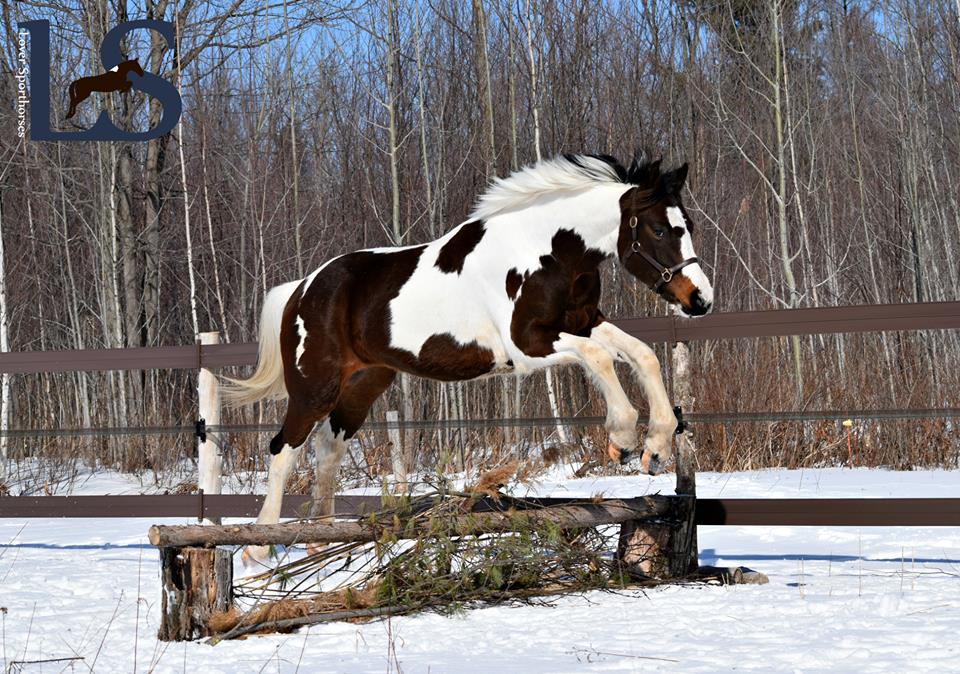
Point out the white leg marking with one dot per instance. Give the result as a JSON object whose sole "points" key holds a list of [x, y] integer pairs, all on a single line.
{"points": [[621, 416], [330, 449], [280, 466], [647, 369]]}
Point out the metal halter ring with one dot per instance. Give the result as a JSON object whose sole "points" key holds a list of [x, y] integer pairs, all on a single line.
{"points": [[635, 246], [666, 275], [633, 222]]}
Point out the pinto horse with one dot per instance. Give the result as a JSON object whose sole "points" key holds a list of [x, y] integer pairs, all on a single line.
{"points": [[513, 289], [114, 79]]}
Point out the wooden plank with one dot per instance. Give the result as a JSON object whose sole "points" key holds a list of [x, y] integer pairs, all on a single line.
{"points": [[835, 512], [741, 512], [781, 323]]}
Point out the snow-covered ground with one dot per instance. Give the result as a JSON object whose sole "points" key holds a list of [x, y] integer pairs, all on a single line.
{"points": [[839, 600]]}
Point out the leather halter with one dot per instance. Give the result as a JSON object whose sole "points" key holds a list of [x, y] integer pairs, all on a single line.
{"points": [[666, 273]]}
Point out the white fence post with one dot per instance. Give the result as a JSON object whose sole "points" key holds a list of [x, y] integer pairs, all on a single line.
{"points": [[397, 453], [210, 459]]}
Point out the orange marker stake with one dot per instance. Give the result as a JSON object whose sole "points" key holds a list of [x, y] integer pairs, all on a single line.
{"points": [[848, 423]]}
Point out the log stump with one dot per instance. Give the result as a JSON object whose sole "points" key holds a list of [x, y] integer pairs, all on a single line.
{"points": [[661, 549], [197, 582]]}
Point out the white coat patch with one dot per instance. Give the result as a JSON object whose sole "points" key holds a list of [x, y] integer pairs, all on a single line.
{"points": [[473, 306], [694, 272], [301, 347]]}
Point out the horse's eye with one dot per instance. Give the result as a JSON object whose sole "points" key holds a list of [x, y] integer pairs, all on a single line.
{"points": [[658, 232]]}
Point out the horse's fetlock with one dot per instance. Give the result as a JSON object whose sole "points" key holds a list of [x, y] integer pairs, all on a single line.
{"points": [[625, 438]]}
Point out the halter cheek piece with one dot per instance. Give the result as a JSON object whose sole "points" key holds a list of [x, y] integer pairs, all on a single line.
{"points": [[666, 273]]}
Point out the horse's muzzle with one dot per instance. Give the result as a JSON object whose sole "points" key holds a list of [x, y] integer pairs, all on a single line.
{"points": [[698, 305]]}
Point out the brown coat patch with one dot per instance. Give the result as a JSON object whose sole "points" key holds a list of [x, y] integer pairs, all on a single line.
{"points": [[514, 281], [454, 252], [444, 359], [358, 396], [561, 296]]}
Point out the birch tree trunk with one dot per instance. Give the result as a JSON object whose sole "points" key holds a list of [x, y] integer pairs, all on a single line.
{"points": [[297, 222], [406, 385], [548, 375], [786, 256], [186, 201]]}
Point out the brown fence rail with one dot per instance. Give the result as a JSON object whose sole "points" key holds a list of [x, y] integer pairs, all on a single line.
{"points": [[779, 323], [512, 422], [865, 512]]}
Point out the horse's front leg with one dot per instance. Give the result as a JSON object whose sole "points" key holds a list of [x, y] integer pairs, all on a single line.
{"points": [[657, 445], [621, 416]]}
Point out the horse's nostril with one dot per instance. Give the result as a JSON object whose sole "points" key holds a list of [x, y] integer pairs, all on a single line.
{"points": [[698, 306]]}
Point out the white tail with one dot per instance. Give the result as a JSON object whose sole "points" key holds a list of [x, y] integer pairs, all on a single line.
{"points": [[267, 381]]}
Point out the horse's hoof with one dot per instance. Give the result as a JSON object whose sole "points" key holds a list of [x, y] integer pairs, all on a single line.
{"points": [[652, 463], [617, 453]]}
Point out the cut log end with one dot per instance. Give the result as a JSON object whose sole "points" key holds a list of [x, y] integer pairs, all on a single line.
{"points": [[197, 583]]}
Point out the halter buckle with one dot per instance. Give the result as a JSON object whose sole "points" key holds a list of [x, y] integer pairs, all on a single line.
{"points": [[666, 276]]}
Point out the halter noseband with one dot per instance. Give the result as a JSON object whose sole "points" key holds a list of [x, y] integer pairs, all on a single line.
{"points": [[666, 273]]}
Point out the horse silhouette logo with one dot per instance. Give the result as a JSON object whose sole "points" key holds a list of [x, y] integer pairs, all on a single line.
{"points": [[114, 79]]}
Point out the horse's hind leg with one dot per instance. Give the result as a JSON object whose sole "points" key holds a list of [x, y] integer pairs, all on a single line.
{"points": [[73, 108], [361, 391], [75, 100]]}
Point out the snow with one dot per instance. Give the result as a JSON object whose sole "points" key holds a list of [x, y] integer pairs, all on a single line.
{"points": [[839, 599]]}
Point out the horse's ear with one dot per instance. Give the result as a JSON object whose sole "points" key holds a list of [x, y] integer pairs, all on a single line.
{"points": [[673, 180], [643, 171]]}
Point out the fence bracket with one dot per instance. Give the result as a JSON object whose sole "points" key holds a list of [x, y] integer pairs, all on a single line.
{"points": [[681, 424]]}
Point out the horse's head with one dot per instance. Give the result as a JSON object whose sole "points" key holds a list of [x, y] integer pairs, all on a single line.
{"points": [[655, 242], [134, 65]]}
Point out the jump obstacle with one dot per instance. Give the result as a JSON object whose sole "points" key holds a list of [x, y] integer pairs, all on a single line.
{"points": [[657, 543]]}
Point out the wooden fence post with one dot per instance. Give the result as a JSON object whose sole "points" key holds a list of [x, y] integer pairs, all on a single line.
{"points": [[197, 582], [668, 549], [209, 456]]}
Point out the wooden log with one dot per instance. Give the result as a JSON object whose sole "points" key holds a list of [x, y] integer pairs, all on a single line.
{"points": [[659, 549], [571, 516], [197, 582], [736, 575]]}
